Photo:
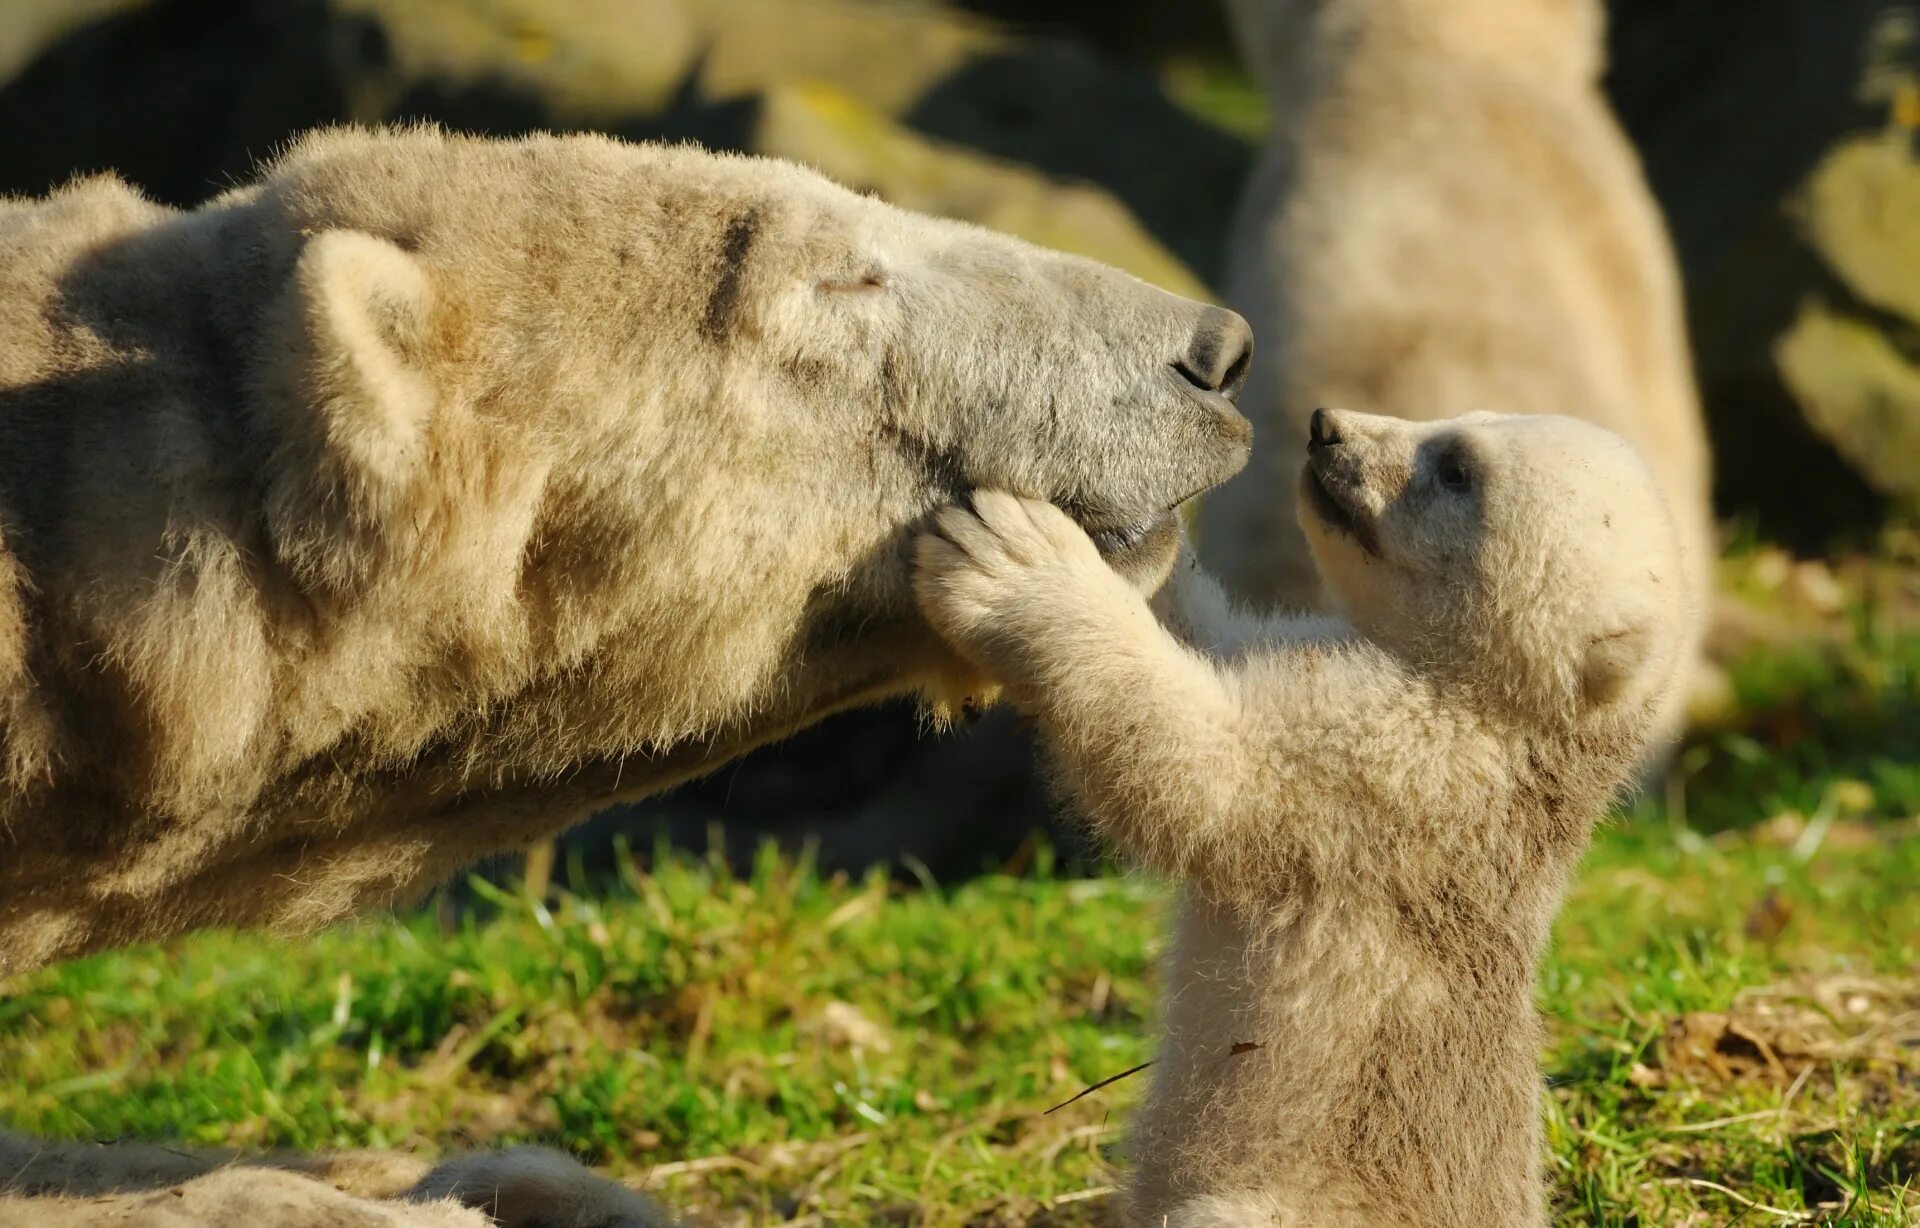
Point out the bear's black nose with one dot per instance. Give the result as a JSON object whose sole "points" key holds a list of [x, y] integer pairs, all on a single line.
{"points": [[1220, 353], [1321, 431]]}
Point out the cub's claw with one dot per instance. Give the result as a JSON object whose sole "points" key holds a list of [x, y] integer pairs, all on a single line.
{"points": [[1003, 573]]}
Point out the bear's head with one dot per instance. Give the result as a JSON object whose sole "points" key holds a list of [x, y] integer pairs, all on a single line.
{"points": [[944, 357], [1531, 558], [690, 408]]}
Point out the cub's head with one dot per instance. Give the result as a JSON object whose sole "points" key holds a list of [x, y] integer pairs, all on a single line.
{"points": [[1530, 557]]}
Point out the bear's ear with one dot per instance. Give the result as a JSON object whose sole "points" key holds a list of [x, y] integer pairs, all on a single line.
{"points": [[1612, 660], [364, 307]]}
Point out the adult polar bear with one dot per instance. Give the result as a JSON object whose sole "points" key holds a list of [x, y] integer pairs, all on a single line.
{"points": [[431, 492], [1446, 218]]}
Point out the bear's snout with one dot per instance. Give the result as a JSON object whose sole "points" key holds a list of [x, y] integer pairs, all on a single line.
{"points": [[1219, 355], [1322, 431]]}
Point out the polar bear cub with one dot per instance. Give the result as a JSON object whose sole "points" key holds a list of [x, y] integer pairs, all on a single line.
{"points": [[1371, 818]]}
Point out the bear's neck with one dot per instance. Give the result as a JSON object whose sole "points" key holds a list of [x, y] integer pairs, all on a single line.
{"points": [[1304, 49], [338, 756]]}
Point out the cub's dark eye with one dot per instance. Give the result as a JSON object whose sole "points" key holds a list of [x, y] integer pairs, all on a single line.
{"points": [[1453, 472]]}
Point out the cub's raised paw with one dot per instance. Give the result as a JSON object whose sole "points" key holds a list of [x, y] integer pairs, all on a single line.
{"points": [[1004, 569]]}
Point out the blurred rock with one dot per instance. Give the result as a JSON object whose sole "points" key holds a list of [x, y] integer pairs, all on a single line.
{"points": [[1849, 358], [180, 96], [1138, 31], [1779, 140], [581, 63], [931, 107], [1058, 106], [1815, 586], [26, 27], [1861, 213], [858, 145], [1712, 701], [886, 54]]}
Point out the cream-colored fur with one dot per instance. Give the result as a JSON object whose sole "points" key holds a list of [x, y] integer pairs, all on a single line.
{"points": [[93, 1170], [235, 1198], [1371, 819], [432, 492], [1446, 218], [76, 1185]]}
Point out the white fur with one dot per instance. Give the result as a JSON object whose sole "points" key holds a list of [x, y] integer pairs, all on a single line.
{"points": [[80, 1185], [1371, 818]]}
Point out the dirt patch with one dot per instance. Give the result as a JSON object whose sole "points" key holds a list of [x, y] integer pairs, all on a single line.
{"points": [[1779, 1033]]}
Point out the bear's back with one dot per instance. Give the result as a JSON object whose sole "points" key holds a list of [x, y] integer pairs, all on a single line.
{"points": [[43, 243], [1436, 229]]}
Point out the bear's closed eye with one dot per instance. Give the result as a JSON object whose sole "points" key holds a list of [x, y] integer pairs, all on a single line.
{"points": [[854, 285]]}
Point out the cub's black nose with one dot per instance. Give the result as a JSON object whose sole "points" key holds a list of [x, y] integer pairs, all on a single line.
{"points": [[1219, 355], [1321, 431]]}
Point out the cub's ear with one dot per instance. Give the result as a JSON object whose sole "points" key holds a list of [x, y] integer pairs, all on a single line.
{"points": [[364, 306], [1612, 660]]}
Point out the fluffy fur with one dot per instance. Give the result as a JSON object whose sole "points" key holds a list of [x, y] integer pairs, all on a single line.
{"points": [[235, 1198], [30, 1166], [432, 492], [76, 1185], [1371, 818], [1446, 218]]}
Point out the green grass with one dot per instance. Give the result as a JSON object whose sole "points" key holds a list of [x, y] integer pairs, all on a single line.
{"points": [[687, 1018], [1734, 1004]]}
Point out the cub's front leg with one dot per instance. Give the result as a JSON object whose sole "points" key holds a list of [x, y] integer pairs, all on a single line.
{"points": [[1020, 590], [1145, 732]]}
